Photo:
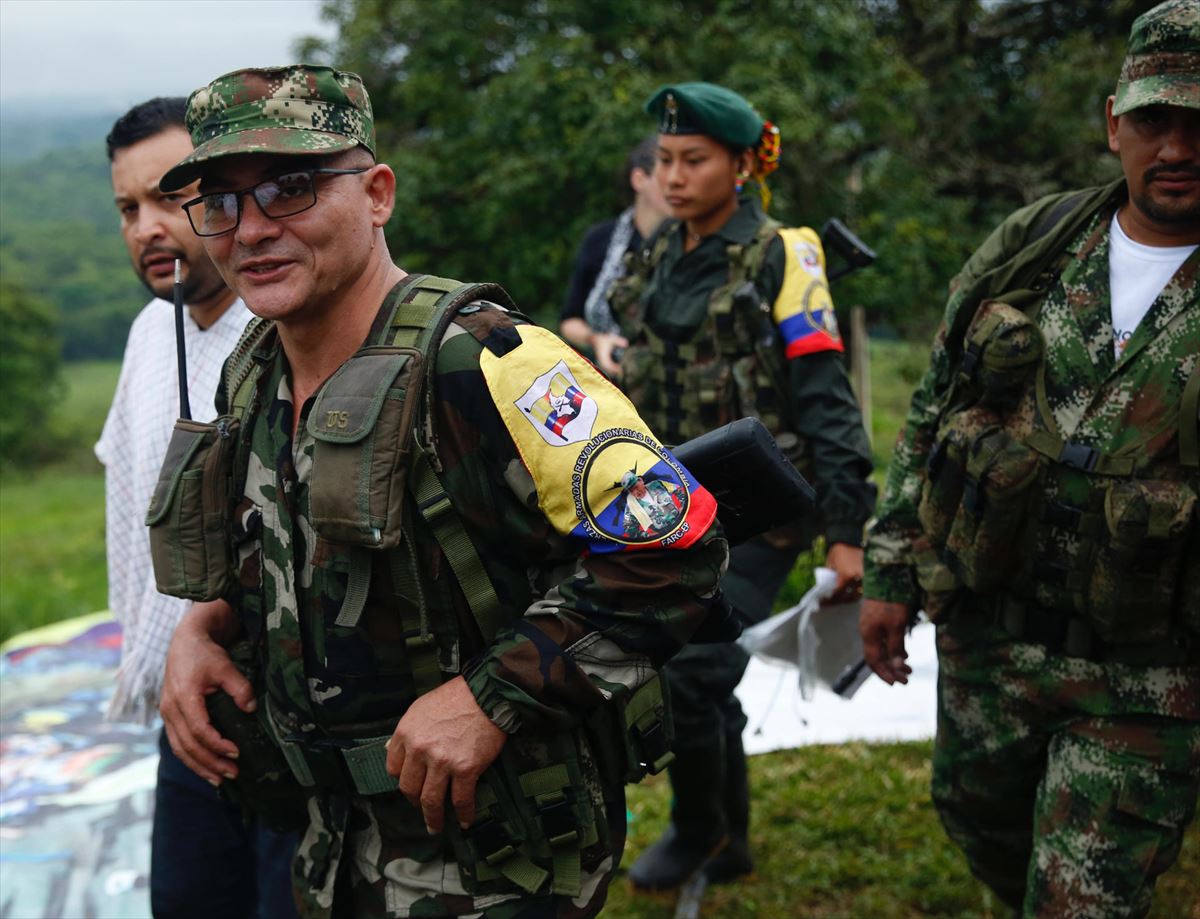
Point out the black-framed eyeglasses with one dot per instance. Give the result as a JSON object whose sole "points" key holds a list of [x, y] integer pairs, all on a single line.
{"points": [[220, 212]]}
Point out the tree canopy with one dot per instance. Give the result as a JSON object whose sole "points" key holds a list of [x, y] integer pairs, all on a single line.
{"points": [[921, 122]]}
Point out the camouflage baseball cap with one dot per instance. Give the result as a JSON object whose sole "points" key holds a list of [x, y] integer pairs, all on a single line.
{"points": [[297, 109], [1162, 66]]}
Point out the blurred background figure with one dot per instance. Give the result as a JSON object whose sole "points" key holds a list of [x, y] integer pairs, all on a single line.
{"points": [[586, 320]]}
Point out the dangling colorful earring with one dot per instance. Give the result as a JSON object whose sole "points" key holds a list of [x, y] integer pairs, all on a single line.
{"points": [[739, 183]]}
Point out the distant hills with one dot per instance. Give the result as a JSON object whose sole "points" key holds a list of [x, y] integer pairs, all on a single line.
{"points": [[58, 227]]}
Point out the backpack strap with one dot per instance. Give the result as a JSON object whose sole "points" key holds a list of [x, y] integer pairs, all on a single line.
{"points": [[1189, 422], [1034, 267], [423, 312], [241, 369]]}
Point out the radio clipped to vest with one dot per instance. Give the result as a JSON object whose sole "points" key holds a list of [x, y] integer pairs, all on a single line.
{"points": [[189, 513], [190, 509]]}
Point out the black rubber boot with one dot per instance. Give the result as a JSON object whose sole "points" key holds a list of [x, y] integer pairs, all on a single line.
{"points": [[734, 860], [697, 830]]}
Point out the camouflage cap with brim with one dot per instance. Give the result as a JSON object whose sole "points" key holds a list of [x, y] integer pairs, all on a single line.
{"points": [[299, 109], [1162, 66]]}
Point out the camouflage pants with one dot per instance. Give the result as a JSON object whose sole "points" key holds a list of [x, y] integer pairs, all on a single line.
{"points": [[1067, 783], [370, 858]]}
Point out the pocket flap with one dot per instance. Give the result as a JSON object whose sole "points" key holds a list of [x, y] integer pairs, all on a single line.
{"points": [[348, 405], [184, 443]]}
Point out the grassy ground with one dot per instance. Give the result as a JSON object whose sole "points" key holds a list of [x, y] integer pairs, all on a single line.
{"points": [[52, 518], [847, 831]]}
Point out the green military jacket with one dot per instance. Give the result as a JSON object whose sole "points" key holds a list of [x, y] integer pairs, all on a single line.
{"points": [[1075, 491], [738, 363], [586, 622]]}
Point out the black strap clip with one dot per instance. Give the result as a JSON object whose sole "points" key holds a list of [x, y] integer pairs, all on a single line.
{"points": [[1078, 456]]}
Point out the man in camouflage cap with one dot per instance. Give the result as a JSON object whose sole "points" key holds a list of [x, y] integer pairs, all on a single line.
{"points": [[1041, 507], [440, 606]]}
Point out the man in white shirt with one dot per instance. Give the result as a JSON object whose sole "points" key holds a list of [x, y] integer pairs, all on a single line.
{"points": [[1041, 507], [204, 859]]}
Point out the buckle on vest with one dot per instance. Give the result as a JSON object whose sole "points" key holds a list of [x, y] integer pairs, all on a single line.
{"points": [[1063, 516], [492, 841], [432, 508], [970, 360], [558, 818], [1078, 456], [652, 742]]}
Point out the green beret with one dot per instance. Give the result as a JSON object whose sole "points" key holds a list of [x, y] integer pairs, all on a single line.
{"points": [[705, 108]]}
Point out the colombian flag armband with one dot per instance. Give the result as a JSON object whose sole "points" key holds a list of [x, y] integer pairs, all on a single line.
{"points": [[804, 309], [601, 475]]}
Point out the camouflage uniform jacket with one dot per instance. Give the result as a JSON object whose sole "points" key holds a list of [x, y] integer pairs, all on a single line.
{"points": [[1124, 407], [584, 623]]}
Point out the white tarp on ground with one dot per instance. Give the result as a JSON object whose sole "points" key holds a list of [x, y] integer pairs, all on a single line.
{"points": [[790, 705]]}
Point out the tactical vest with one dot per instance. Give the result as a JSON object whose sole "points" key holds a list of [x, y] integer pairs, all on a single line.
{"points": [[375, 482], [732, 367], [1095, 553]]}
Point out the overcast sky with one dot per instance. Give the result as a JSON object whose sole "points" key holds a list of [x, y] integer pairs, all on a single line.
{"points": [[114, 53]]}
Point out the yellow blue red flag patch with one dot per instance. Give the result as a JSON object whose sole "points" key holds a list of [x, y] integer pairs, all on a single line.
{"points": [[804, 309], [601, 475]]}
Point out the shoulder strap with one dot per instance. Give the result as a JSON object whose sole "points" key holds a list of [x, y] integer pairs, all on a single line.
{"points": [[425, 308], [241, 369], [1189, 422], [1035, 264]]}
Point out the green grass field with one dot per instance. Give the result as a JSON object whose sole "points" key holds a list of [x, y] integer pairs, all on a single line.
{"points": [[841, 831], [52, 518]]}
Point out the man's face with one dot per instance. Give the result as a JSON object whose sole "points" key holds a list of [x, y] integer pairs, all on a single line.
{"points": [[286, 268], [639, 488], [153, 224], [1159, 147]]}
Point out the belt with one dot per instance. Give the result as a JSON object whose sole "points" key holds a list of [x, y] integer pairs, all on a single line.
{"points": [[345, 765], [1074, 636]]}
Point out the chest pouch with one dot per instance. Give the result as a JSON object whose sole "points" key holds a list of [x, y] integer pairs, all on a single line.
{"points": [[190, 510], [362, 424], [946, 470], [984, 545], [1147, 552], [1001, 350]]}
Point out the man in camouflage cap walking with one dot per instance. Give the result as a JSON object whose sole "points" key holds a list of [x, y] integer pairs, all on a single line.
{"points": [[441, 607], [1041, 507]]}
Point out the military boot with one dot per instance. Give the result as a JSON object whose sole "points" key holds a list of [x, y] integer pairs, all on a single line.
{"points": [[697, 829], [734, 860]]}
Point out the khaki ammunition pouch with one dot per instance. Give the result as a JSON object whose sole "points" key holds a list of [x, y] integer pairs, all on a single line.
{"points": [[632, 737], [532, 821], [946, 471], [190, 510], [984, 547], [1137, 575], [265, 785], [362, 423], [1001, 351]]}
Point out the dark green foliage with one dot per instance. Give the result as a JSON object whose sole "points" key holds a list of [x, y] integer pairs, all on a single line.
{"points": [[922, 121], [59, 238], [29, 375]]}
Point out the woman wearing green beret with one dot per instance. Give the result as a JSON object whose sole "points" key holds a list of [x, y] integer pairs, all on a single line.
{"points": [[728, 314]]}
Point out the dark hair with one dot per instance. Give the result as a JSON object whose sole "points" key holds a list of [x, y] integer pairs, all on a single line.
{"points": [[146, 120], [640, 157]]}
